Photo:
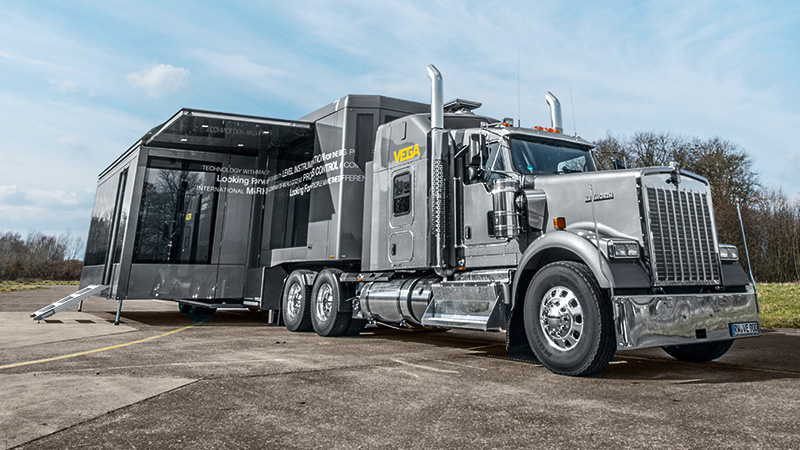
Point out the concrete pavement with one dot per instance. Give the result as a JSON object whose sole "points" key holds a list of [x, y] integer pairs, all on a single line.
{"points": [[236, 382]]}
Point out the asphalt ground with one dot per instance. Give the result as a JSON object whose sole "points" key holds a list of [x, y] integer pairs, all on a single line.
{"points": [[160, 380]]}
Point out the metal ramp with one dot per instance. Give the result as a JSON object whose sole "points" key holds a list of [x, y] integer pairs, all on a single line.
{"points": [[66, 302]]}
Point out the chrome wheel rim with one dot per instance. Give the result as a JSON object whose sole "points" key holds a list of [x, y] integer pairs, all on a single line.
{"points": [[561, 318], [294, 301], [324, 303]]}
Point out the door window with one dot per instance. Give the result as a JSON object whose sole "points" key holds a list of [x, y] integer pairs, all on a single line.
{"points": [[402, 194]]}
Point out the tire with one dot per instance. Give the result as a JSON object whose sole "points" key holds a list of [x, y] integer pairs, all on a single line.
{"points": [[184, 308], [326, 297], [699, 353], [295, 302], [578, 338]]}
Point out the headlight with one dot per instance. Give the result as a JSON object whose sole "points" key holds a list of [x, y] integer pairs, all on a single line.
{"points": [[728, 252], [623, 249]]}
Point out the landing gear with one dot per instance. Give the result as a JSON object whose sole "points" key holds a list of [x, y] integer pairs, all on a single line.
{"points": [[568, 320]]}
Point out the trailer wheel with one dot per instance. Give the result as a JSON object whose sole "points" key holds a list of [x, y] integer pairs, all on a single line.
{"points": [[295, 301], [326, 297], [568, 321], [699, 353], [184, 308]]}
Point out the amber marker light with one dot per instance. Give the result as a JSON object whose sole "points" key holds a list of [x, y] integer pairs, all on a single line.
{"points": [[560, 223]]}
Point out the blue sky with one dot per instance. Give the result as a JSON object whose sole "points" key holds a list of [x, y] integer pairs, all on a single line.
{"points": [[81, 81]]}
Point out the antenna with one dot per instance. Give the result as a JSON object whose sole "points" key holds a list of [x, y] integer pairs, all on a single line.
{"points": [[572, 107], [519, 118]]}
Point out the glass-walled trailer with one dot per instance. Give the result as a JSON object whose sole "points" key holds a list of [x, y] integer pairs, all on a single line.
{"points": [[212, 208]]}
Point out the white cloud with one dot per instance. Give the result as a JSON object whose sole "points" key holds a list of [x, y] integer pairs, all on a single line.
{"points": [[161, 79], [38, 209], [63, 86]]}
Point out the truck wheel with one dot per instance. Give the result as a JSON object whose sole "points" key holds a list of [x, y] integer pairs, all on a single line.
{"points": [[699, 353], [295, 302], [325, 300], [568, 320]]}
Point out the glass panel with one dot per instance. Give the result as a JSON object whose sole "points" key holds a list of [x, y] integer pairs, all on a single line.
{"points": [[495, 161], [100, 229], [365, 139], [389, 118], [534, 156], [178, 209], [123, 216], [402, 194], [233, 135], [293, 169]]}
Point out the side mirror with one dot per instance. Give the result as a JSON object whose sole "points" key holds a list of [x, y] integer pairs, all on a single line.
{"points": [[619, 164], [473, 172], [477, 148]]}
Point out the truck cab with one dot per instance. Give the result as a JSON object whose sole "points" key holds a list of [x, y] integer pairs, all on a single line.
{"points": [[495, 227]]}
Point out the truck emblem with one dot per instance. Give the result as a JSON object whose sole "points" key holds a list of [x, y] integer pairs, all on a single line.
{"points": [[601, 196], [404, 154]]}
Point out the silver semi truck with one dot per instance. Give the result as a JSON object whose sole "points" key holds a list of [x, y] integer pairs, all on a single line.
{"points": [[374, 210]]}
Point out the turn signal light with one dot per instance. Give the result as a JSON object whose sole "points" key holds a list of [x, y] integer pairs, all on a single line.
{"points": [[560, 223], [552, 130]]}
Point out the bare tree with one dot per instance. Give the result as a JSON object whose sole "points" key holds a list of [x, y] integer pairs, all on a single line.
{"points": [[771, 221]]}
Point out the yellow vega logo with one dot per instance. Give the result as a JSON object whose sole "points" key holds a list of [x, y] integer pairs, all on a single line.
{"points": [[404, 154]]}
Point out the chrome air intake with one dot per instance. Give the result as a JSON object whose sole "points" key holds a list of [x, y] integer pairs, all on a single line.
{"points": [[506, 219]]}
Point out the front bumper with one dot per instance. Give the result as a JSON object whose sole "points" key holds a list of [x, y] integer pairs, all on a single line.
{"points": [[657, 320]]}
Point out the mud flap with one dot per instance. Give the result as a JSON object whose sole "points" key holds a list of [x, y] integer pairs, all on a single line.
{"points": [[517, 344]]}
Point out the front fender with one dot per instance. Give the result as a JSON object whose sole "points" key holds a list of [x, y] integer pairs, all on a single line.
{"points": [[560, 245]]}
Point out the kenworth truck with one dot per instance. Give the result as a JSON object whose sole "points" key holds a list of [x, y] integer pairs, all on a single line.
{"points": [[382, 211]]}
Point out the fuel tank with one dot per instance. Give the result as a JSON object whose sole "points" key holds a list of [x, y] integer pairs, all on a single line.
{"points": [[396, 301]]}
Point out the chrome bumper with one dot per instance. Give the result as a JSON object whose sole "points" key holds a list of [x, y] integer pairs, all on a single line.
{"points": [[653, 321]]}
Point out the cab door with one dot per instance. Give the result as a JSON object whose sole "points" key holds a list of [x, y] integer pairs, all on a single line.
{"points": [[480, 247]]}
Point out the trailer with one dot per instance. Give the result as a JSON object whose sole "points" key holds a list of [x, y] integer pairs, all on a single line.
{"points": [[375, 210]]}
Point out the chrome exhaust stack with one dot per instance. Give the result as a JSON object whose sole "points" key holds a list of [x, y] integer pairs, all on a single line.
{"points": [[555, 112], [436, 155], [437, 98]]}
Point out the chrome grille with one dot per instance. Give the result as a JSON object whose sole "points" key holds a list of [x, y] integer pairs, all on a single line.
{"points": [[682, 246]]}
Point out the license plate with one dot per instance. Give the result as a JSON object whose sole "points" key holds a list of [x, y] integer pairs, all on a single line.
{"points": [[745, 329]]}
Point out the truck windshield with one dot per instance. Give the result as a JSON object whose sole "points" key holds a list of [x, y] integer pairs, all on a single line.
{"points": [[532, 155]]}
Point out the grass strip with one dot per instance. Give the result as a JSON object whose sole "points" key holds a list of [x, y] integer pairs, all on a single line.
{"points": [[780, 304]]}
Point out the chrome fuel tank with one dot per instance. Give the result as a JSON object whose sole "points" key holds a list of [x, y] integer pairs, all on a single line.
{"points": [[396, 301]]}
